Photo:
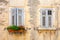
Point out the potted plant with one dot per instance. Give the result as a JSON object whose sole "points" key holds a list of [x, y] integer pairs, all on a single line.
{"points": [[12, 28], [15, 29], [22, 29]]}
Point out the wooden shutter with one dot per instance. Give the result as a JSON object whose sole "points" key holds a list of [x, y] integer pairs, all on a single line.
{"points": [[46, 18], [43, 18], [49, 18]]}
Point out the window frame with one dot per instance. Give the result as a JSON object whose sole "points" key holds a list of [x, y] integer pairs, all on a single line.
{"points": [[10, 16], [46, 17]]}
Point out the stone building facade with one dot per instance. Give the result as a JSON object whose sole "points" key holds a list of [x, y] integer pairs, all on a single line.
{"points": [[41, 19]]}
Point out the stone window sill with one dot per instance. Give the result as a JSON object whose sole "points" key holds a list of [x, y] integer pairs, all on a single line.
{"points": [[49, 28]]}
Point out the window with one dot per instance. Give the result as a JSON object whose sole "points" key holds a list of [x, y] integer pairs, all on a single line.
{"points": [[46, 18], [17, 16]]}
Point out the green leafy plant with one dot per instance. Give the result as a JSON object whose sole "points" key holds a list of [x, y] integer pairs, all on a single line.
{"points": [[13, 27]]}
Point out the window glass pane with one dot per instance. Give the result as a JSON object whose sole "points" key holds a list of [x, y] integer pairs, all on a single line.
{"points": [[16, 16], [13, 11], [43, 21], [49, 12], [19, 11], [12, 20], [43, 12], [49, 21], [20, 20]]}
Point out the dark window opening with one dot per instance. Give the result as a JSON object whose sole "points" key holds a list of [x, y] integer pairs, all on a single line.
{"points": [[49, 12]]}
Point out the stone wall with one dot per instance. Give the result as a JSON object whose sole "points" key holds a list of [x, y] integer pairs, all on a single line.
{"points": [[30, 34]]}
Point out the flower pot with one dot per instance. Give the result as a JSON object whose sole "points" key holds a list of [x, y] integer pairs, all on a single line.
{"points": [[10, 30], [15, 29], [20, 30]]}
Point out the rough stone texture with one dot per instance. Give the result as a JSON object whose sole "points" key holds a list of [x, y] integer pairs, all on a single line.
{"points": [[32, 11]]}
